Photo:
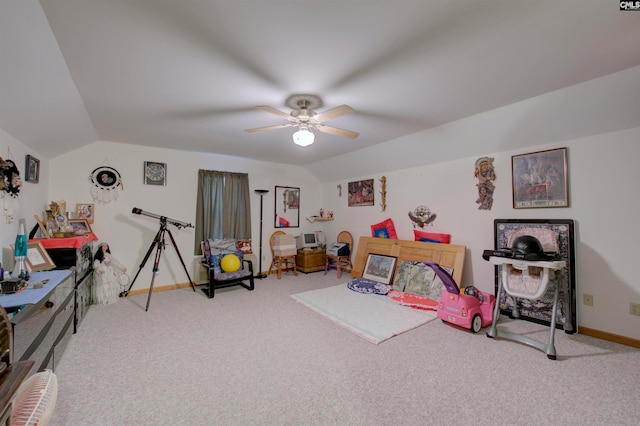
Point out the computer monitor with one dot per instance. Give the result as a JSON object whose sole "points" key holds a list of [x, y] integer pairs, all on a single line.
{"points": [[306, 240]]}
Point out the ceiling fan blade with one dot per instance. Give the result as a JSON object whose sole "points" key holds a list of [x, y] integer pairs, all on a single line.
{"points": [[332, 113], [276, 112], [338, 132], [277, 126]]}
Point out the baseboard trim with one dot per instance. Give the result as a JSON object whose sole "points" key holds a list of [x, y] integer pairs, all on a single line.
{"points": [[616, 338], [159, 289]]}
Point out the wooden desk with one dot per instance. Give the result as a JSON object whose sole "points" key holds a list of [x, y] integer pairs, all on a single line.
{"points": [[310, 260]]}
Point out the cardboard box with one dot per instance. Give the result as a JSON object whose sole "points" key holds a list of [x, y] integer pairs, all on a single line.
{"points": [[285, 250], [286, 239]]}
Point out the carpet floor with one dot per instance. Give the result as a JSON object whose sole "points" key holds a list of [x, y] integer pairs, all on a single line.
{"points": [[261, 358]]}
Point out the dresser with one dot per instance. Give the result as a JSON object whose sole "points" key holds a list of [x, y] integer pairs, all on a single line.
{"points": [[42, 318], [75, 253]]}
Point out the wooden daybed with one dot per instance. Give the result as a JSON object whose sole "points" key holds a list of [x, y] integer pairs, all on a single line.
{"points": [[450, 255]]}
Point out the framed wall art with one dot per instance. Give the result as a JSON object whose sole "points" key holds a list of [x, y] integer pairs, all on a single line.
{"points": [[360, 193], [287, 209], [380, 268], [155, 173], [37, 257], [85, 211], [539, 311], [540, 179], [32, 169], [80, 226]]}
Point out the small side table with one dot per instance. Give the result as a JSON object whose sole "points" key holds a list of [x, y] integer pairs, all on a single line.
{"points": [[310, 260]]}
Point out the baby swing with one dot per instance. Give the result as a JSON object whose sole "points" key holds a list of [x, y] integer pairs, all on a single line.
{"points": [[526, 274]]}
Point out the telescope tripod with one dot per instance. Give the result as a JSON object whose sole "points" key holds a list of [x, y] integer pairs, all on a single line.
{"points": [[159, 244]]}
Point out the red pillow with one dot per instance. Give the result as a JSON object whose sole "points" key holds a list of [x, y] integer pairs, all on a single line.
{"points": [[431, 237], [384, 229]]}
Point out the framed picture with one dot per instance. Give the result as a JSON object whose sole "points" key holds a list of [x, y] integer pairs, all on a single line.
{"points": [[417, 278], [562, 236], [287, 208], [85, 211], [155, 173], [540, 179], [80, 226], [37, 257], [380, 268], [360, 193], [32, 169]]}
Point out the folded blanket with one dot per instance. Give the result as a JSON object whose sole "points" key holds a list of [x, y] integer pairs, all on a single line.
{"points": [[413, 300]]}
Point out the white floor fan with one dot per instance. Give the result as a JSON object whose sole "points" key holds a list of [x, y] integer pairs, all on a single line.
{"points": [[35, 400]]}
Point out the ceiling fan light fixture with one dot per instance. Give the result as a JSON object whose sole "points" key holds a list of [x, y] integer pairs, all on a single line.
{"points": [[303, 137]]}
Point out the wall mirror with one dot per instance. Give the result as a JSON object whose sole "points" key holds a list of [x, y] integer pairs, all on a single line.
{"points": [[287, 211]]}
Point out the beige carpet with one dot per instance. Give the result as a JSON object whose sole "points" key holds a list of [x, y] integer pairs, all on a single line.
{"points": [[261, 358]]}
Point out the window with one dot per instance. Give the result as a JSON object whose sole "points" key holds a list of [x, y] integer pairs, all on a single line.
{"points": [[223, 208]]}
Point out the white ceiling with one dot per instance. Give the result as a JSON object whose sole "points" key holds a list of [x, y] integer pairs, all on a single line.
{"points": [[187, 74]]}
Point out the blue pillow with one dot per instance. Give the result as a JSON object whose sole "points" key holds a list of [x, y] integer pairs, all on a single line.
{"points": [[427, 240]]}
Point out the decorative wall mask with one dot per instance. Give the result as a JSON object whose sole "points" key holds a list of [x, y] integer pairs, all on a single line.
{"points": [[421, 216], [106, 184], [486, 175]]}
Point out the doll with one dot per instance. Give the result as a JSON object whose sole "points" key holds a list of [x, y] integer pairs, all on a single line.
{"points": [[108, 273]]}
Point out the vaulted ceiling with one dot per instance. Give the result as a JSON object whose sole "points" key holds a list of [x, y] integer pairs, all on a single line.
{"points": [[188, 74]]}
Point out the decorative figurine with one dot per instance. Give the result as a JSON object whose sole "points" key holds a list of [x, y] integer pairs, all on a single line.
{"points": [[486, 175], [109, 274]]}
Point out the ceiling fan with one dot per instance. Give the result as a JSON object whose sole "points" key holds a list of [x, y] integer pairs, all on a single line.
{"points": [[306, 119]]}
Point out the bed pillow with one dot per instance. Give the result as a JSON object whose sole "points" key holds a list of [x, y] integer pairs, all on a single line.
{"points": [[245, 246], [431, 237], [384, 229], [363, 285], [222, 245]]}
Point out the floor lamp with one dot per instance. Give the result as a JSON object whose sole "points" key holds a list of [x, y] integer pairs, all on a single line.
{"points": [[261, 192]]}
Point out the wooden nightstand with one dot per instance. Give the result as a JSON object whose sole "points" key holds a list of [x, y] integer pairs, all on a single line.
{"points": [[310, 260]]}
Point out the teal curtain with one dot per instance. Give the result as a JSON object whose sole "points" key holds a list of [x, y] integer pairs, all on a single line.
{"points": [[223, 208]]}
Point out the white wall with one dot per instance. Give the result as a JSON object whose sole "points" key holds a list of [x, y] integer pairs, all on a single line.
{"points": [[30, 200], [604, 203], [603, 190], [130, 236]]}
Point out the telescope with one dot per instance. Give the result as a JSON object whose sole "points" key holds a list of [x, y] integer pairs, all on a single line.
{"points": [[174, 222]]}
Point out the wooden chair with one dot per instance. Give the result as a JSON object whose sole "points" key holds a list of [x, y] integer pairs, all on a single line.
{"points": [[340, 262], [280, 264]]}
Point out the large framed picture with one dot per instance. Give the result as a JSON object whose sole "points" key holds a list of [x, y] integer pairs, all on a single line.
{"points": [[380, 268], [540, 179], [80, 226], [37, 257], [558, 233]]}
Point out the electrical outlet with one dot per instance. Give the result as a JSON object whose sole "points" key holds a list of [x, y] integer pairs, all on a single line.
{"points": [[587, 299], [634, 308]]}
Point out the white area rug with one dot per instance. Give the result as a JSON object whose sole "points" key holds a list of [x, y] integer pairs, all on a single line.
{"points": [[373, 317]]}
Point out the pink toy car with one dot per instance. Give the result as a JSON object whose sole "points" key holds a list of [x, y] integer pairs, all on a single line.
{"points": [[472, 309]]}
